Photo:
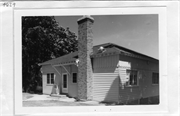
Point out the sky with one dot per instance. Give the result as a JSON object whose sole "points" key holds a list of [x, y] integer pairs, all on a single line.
{"points": [[136, 32]]}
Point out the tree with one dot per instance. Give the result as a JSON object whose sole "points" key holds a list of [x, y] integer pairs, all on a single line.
{"points": [[42, 40]]}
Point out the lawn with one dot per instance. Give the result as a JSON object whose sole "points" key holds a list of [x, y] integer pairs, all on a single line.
{"points": [[44, 103]]}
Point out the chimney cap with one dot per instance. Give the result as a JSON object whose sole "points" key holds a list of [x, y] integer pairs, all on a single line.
{"points": [[85, 18]]}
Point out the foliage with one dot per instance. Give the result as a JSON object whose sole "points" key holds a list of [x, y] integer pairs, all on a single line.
{"points": [[42, 40]]}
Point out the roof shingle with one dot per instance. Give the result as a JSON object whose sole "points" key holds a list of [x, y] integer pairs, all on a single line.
{"points": [[109, 48]]}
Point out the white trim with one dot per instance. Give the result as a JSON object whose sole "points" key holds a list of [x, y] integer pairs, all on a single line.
{"points": [[64, 90], [64, 64], [56, 70], [58, 64], [64, 68], [85, 16], [137, 79], [50, 84]]}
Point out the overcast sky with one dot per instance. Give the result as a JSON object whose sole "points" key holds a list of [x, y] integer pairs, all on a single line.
{"points": [[135, 32]]}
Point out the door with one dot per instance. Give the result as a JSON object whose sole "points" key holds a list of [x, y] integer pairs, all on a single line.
{"points": [[64, 83]]}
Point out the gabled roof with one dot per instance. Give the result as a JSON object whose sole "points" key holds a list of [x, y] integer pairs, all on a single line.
{"points": [[109, 49], [71, 57]]}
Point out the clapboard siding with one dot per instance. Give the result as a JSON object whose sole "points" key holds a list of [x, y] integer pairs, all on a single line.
{"points": [[105, 87], [106, 64]]}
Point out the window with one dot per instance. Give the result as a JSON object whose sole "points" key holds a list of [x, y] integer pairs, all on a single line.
{"points": [[50, 78], [74, 78], [155, 78], [133, 79], [65, 81]]}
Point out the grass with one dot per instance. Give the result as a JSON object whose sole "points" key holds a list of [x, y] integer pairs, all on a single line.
{"points": [[44, 103]]}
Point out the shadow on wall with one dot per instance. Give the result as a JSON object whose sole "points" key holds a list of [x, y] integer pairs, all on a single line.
{"points": [[113, 92], [127, 96]]}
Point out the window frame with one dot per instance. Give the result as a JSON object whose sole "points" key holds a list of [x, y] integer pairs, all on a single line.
{"points": [[50, 82], [67, 82], [153, 78], [128, 82], [76, 77]]}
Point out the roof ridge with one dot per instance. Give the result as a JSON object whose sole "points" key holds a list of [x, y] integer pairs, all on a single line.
{"points": [[71, 56]]}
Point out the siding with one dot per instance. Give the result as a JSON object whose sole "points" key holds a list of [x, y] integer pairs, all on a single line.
{"points": [[105, 87], [106, 64], [105, 78], [108, 80], [145, 88]]}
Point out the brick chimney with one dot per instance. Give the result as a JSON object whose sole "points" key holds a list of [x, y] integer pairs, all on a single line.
{"points": [[85, 49]]}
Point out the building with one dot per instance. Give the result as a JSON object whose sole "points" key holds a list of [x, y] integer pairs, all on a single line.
{"points": [[106, 72]]}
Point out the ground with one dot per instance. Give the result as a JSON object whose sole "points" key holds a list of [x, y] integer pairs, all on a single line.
{"points": [[52, 103], [35, 100], [27, 96]]}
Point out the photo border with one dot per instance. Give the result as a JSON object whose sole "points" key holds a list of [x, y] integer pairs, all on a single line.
{"points": [[92, 11], [163, 56]]}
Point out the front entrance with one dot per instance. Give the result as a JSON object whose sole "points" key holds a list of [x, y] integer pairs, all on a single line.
{"points": [[64, 83]]}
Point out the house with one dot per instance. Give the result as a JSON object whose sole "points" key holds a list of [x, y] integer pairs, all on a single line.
{"points": [[106, 72]]}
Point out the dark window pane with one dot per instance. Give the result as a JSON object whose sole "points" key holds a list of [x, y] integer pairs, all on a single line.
{"points": [[131, 79], [135, 79], [74, 78], [155, 78], [65, 81], [48, 79], [52, 78]]}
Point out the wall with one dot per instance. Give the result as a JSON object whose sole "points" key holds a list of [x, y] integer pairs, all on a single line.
{"points": [[106, 87], [145, 88], [106, 64], [105, 78], [106, 67], [72, 87], [48, 89]]}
